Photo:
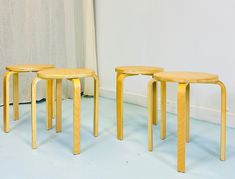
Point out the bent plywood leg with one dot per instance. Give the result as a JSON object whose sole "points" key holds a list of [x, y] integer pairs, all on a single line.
{"points": [[163, 110], [58, 105], [188, 113], [76, 116], [223, 122], [151, 85], [181, 126], [16, 95], [155, 104], [6, 101], [49, 105], [53, 99], [119, 105], [96, 105], [33, 111]]}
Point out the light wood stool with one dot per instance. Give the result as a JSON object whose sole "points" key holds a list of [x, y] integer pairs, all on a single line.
{"points": [[15, 70], [122, 73], [73, 75], [184, 79]]}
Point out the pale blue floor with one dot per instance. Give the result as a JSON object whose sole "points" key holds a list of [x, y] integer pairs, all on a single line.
{"points": [[105, 157]]}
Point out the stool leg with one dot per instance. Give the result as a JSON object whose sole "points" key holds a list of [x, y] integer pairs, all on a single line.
{"points": [[76, 116], [163, 110], [155, 106], [52, 99], [151, 89], [223, 122], [188, 113], [16, 95], [33, 111], [181, 126], [119, 105], [49, 105], [6, 101], [58, 105], [96, 105]]}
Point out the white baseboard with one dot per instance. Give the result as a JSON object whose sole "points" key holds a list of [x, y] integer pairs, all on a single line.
{"points": [[197, 112]]}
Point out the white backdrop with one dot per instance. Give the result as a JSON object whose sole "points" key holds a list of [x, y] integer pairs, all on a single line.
{"points": [[184, 35], [45, 31]]}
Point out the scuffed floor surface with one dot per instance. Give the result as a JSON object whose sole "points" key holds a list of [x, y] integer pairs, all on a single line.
{"points": [[105, 157]]}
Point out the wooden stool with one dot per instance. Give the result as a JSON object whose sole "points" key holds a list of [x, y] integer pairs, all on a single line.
{"points": [[15, 70], [184, 79], [126, 71], [72, 75]]}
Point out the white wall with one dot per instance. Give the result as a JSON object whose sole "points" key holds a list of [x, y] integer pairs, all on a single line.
{"points": [[190, 35]]}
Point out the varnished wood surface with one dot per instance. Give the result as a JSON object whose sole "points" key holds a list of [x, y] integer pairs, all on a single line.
{"points": [[186, 77], [65, 73], [29, 67], [138, 70]]}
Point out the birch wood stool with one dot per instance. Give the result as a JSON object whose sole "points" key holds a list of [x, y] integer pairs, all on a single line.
{"points": [[74, 76], [14, 71], [122, 73], [184, 79]]}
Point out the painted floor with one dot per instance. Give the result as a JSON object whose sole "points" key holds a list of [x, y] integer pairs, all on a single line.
{"points": [[105, 157]]}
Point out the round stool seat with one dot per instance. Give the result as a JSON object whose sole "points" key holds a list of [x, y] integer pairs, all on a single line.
{"points": [[64, 73], [138, 70], [186, 77], [29, 68]]}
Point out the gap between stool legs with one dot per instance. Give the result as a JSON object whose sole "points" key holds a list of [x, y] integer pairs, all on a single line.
{"points": [[76, 115]]}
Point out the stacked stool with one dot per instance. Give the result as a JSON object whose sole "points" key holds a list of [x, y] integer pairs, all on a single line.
{"points": [[184, 79], [74, 76], [15, 70]]}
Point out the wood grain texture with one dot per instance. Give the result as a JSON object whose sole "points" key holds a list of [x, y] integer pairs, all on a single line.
{"points": [[16, 96], [29, 67], [188, 113], [163, 111], [6, 100], [96, 106], [33, 111], [65, 73], [119, 104], [49, 103], [223, 121], [181, 126], [150, 112], [76, 115], [155, 103], [186, 77], [138, 70], [58, 105]]}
